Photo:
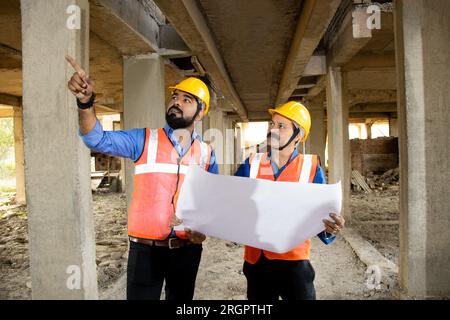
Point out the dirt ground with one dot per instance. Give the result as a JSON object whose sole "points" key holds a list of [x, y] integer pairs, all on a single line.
{"points": [[339, 273], [111, 243], [376, 218], [15, 280]]}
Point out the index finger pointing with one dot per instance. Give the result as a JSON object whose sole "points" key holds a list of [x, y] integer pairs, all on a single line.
{"points": [[76, 66]]}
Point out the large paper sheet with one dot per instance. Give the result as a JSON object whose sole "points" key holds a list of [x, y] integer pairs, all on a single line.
{"points": [[274, 216]]}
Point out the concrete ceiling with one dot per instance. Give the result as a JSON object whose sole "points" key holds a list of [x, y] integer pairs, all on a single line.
{"points": [[106, 51], [10, 48], [254, 38]]}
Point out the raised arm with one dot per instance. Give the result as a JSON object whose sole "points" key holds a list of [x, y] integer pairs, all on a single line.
{"points": [[126, 143], [82, 87]]}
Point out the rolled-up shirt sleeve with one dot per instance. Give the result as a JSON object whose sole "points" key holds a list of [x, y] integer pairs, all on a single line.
{"points": [[122, 143]]}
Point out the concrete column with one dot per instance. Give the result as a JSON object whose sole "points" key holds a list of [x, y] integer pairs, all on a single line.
{"points": [[229, 145], [338, 139], [216, 136], [57, 163], [369, 130], [359, 130], [123, 176], [144, 100], [317, 135], [423, 60], [238, 147], [19, 156], [393, 127]]}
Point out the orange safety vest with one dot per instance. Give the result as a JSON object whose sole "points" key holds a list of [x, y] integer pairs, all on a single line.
{"points": [[303, 170], [155, 184]]}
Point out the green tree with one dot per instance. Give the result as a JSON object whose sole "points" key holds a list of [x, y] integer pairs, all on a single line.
{"points": [[6, 137]]}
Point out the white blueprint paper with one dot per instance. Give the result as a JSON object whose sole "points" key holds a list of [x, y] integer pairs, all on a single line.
{"points": [[274, 216]]}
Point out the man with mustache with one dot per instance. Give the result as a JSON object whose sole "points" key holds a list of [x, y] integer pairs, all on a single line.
{"points": [[161, 157], [288, 275]]}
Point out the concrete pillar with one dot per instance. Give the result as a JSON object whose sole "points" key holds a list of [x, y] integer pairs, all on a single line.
{"points": [[393, 127], [238, 147], [57, 163], [229, 145], [369, 130], [123, 176], [216, 136], [144, 100], [338, 139], [318, 134], [19, 156], [359, 130], [423, 60]]}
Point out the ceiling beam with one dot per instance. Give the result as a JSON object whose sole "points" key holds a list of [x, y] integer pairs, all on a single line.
{"points": [[368, 61], [352, 37], [125, 25], [356, 97], [189, 22], [374, 107], [316, 66], [319, 87], [313, 23], [10, 100], [170, 39], [371, 115]]}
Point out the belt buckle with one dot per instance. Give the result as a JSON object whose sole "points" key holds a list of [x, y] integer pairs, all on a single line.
{"points": [[171, 246]]}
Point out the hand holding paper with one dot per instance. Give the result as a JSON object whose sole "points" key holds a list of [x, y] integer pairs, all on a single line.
{"points": [[274, 216]]}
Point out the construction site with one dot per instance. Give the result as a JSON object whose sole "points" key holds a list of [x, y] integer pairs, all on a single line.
{"points": [[373, 74]]}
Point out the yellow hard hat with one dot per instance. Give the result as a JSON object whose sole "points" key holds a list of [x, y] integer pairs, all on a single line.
{"points": [[295, 112], [197, 88]]}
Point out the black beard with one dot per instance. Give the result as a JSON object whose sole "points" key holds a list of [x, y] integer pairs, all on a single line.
{"points": [[178, 122]]}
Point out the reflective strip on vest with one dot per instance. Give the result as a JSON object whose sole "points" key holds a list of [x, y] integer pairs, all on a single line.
{"points": [[204, 155], [306, 168], [155, 184], [152, 146], [308, 165], [160, 168], [153, 167], [254, 166], [304, 175]]}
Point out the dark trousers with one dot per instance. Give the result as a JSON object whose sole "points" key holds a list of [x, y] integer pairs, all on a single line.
{"points": [[271, 279], [149, 266]]}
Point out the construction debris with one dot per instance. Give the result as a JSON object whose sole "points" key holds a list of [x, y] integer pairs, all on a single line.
{"points": [[389, 180], [359, 182]]}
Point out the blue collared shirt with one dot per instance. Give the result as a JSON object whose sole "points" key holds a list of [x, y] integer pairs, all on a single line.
{"points": [[244, 171], [130, 143]]}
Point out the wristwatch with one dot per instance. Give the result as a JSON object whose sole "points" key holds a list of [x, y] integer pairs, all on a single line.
{"points": [[87, 105]]}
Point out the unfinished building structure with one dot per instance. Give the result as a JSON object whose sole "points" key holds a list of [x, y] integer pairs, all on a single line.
{"points": [[331, 54]]}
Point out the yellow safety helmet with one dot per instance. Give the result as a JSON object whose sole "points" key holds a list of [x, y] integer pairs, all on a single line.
{"points": [[297, 113], [196, 87]]}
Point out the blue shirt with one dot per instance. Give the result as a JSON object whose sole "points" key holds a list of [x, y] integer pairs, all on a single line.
{"points": [[130, 143], [244, 171]]}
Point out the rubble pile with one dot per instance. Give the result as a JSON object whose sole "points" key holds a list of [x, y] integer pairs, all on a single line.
{"points": [[390, 180]]}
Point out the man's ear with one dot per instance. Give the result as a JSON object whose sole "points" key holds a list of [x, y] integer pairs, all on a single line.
{"points": [[200, 115]]}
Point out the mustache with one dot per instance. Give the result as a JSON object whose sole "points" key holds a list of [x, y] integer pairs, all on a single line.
{"points": [[175, 108]]}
